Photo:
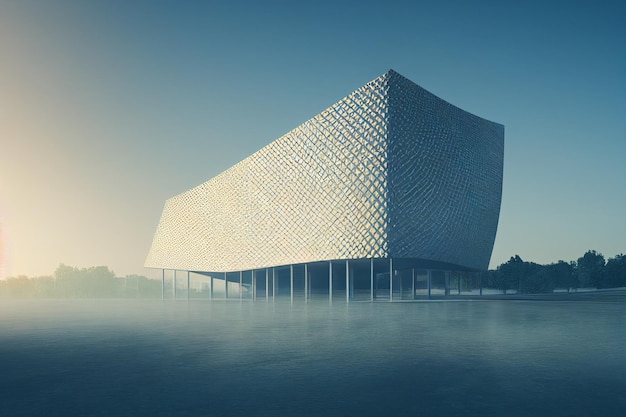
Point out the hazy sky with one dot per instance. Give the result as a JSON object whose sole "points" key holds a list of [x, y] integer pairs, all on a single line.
{"points": [[108, 108]]}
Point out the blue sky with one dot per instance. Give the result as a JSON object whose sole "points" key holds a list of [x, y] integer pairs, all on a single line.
{"points": [[109, 108]]}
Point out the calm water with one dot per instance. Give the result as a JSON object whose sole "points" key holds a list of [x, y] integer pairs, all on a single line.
{"points": [[153, 358]]}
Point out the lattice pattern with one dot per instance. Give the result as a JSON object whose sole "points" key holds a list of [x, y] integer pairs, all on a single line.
{"points": [[445, 178], [390, 170], [318, 192]]}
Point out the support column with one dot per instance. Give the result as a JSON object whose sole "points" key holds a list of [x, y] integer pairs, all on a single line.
{"points": [[211, 292], [429, 274], [291, 281], [188, 286], [480, 282], [401, 285], [162, 284], [372, 279], [225, 285], [310, 284], [412, 283], [253, 286], [267, 286], [347, 281], [390, 279], [330, 281], [274, 284], [352, 284], [306, 283], [174, 285], [240, 285]]}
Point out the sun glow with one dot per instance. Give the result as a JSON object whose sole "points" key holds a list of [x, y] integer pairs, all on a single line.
{"points": [[2, 246]]}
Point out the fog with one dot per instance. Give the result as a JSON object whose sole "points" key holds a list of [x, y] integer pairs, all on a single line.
{"points": [[178, 358]]}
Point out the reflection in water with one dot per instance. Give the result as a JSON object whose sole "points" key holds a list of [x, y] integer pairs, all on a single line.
{"points": [[153, 358]]}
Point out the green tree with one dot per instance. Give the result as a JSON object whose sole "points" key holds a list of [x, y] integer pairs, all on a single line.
{"points": [[144, 287], [100, 281], [562, 275], [591, 269], [537, 279], [511, 274], [96, 281], [71, 282], [20, 286], [615, 272]]}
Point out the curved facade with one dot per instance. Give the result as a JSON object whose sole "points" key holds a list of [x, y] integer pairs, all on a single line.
{"points": [[390, 171]]}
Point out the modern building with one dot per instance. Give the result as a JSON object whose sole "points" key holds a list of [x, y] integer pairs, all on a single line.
{"points": [[391, 193]]}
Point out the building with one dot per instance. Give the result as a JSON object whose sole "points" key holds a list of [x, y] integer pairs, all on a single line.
{"points": [[390, 193]]}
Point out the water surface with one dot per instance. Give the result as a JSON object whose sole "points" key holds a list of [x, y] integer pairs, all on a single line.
{"points": [[154, 358]]}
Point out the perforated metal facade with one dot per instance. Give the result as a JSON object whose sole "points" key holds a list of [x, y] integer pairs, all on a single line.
{"points": [[389, 171]]}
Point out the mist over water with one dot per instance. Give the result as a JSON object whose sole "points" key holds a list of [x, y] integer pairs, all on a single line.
{"points": [[154, 358]]}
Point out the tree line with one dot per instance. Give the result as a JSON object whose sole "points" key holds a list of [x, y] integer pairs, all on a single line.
{"points": [[589, 271], [71, 282]]}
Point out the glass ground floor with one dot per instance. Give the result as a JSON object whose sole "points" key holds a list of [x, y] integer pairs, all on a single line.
{"points": [[381, 279]]}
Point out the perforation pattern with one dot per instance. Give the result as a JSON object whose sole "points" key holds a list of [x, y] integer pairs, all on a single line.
{"points": [[445, 178], [390, 170], [318, 192]]}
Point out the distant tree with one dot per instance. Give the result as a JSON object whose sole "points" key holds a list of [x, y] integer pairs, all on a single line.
{"points": [[20, 286], [71, 282], [66, 281], [537, 279], [138, 286], [575, 281], [101, 282], [562, 275], [96, 281], [591, 269], [511, 274], [615, 272], [43, 286]]}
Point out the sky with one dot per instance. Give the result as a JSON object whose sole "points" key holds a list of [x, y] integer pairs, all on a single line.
{"points": [[108, 108]]}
